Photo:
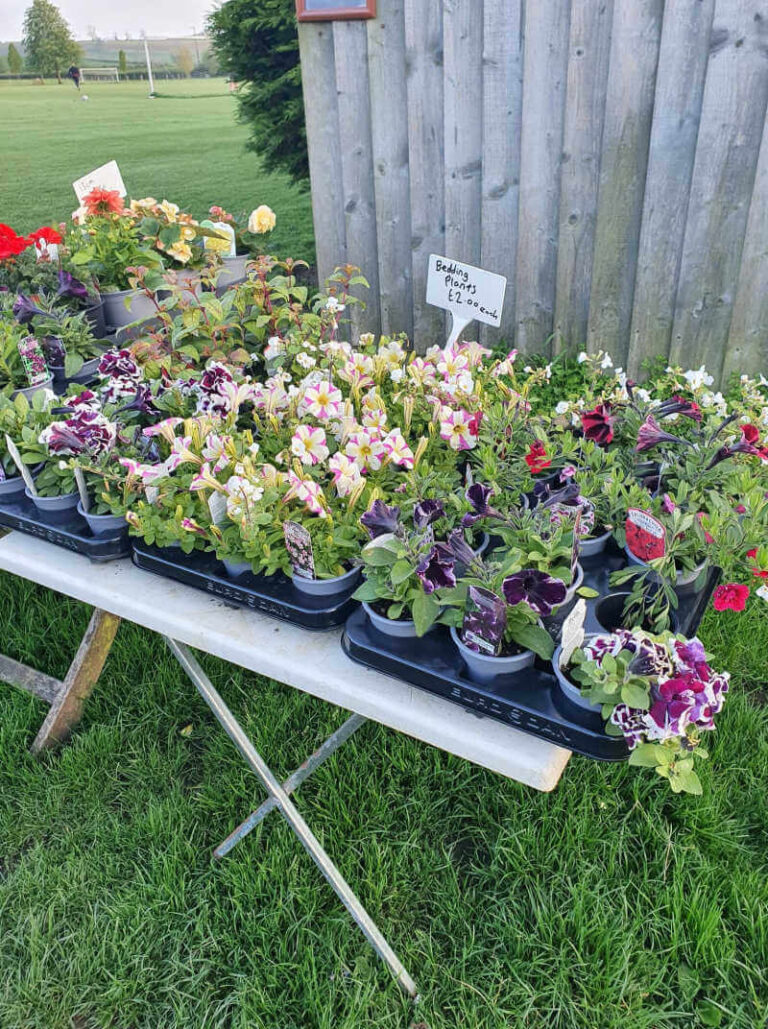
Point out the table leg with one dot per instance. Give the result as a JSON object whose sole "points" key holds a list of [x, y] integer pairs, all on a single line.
{"points": [[305, 835], [323, 752], [67, 705]]}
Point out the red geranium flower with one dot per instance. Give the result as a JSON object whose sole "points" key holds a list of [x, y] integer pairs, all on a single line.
{"points": [[103, 201], [732, 596], [536, 458], [11, 243], [597, 425], [46, 234], [759, 573]]}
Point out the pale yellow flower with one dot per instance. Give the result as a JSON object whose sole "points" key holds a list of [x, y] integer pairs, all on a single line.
{"points": [[188, 233], [169, 210], [180, 251], [262, 220], [217, 244]]}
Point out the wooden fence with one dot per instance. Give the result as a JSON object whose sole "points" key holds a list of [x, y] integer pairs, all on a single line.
{"points": [[609, 157]]}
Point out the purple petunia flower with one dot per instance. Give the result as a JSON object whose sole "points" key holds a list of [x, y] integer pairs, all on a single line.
{"points": [[379, 519], [650, 435], [456, 549], [426, 512], [55, 353], [118, 364], [24, 310], [479, 496], [540, 591], [69, 286], [86, 432], [436, 572]]}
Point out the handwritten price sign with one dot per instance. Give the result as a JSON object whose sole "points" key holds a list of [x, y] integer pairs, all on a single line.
{"points": [[469, 293]]}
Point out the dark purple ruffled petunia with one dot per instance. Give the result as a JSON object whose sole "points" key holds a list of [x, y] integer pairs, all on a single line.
{"points": [[540, 591], [379, 519], [69, 286], [426, 512], [436, 572]]}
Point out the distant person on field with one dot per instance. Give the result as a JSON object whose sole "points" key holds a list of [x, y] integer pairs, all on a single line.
{"points": [[74, 74]]}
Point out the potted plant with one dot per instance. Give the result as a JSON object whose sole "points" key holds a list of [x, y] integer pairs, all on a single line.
{"points": [[178, 238], [71, 350], [657, 691], [244, 241], [23, 369], [15, 415]]}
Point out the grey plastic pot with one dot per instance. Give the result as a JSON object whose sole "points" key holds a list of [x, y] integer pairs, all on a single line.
{"points": [[401, 628], [54, 505], [116, 313], [87, 371], [236, 569], [29, 391], [12, 488], [484, 668], [232, 271], [683, 580], [569, 689], [327, 587], [595, 545], [570, 592], [102, 525], [185, 278]]}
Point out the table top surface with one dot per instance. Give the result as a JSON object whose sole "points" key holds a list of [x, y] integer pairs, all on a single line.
{"points": [[310, 661]]}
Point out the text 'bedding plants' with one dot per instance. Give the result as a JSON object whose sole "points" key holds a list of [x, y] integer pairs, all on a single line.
{"points": [[469, 492]]}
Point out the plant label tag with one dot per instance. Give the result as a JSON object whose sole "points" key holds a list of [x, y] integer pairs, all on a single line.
{"points": [[576, 531], [763, 593], [573, 631], [646, 536], [217, 505], [485, 620], [46, 252], [24, 472], [33, 360], [82, 489], [151, 493], [105, 177], [298, 543], [223, 229], [469, 293]]}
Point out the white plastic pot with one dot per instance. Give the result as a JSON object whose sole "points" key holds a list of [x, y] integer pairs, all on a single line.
{"points": [[327, 587], [595, 545], [117, 314], [569, 689], [232, 271], [102, 525], [236, 569], [54, 505], [485, 668], [401, 628], [29, 391]]}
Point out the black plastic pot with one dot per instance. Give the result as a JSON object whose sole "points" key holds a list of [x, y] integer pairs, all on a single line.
{"points": [[609, 610], [94, 315]]}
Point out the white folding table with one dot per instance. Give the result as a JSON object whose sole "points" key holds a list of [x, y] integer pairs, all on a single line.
{"points": [[310, 661]]}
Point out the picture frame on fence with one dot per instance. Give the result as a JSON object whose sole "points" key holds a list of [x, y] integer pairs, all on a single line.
{"points": [[334, 10]]}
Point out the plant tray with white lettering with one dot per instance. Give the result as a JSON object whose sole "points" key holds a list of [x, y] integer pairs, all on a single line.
{"points": [[67, 529], [272, 595], [528, 700]]}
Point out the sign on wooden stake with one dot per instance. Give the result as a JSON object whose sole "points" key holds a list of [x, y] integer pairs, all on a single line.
{"points": [[469, 293]]}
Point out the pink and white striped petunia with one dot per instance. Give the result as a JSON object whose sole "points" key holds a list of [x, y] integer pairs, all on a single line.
{"points": [[322, 401], [346, 474], [458, 429], [308, 492], [309, 445], [366, 450], [398, 450]]}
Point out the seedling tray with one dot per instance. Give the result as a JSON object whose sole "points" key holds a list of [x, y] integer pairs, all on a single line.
{"points": [[529, 700], [275, 595], [68, 530]]}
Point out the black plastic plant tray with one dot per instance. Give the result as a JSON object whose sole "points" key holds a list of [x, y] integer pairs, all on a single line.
{"points": [[275, 595], [530, 700], [68, 530]]}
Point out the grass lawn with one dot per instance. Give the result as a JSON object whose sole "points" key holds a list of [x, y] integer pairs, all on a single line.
{"points": [[607, 904], [185, 145]]}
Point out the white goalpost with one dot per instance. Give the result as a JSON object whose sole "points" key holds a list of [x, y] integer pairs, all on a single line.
{"points": [[99, 75]]}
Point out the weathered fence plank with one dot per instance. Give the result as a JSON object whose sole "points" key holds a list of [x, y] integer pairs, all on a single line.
{"points": [[424, 70], [350, 43], [544, 75], [747, 350], [628, 111], [588, 52], [732, 119], [463, 127], [683, 55], [502, 113], [389, 127], [321, 114]]}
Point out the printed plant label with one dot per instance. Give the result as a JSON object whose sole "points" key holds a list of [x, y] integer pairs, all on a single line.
{"points": [[573, 631], [24, 472], [646, 536], [217, 505], [298, 543], [33, 360], [224, 230], [484, 620]]}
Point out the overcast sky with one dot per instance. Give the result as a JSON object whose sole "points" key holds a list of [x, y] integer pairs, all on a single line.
{"points": [[156, 17]]}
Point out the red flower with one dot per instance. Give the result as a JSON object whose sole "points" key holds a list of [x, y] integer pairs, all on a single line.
{"points": [[731, 596], [11, 243], [103, 201], [750, 434], [598, 424], [46, 235], [536, 458], [474, 423], [758, 572]]}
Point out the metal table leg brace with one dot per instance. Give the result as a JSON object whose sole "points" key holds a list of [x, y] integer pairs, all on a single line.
{"points": [[279, 798]]}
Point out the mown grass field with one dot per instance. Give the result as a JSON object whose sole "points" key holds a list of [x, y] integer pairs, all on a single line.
{"points": [[607, 904], [184, 145]]}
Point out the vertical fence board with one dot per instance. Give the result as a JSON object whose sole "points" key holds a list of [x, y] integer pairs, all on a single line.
{"points": [[502, 112], [544, 80], [463, 127], [355, 142], [321, 114], [626, 133], [424, 71], [588, 52], [747, 350], [389, 125], [732, 118], [683, 57]]}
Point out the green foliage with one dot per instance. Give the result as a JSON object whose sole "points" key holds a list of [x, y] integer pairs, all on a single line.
{"points": [[48, 42], [256, 42], [15, 60], [122, 62]]}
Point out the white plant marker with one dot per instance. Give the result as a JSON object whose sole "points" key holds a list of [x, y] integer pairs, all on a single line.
{"points": [[82, 489], [469, 293], [107, 176], [24, 472]]}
